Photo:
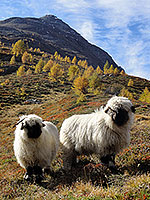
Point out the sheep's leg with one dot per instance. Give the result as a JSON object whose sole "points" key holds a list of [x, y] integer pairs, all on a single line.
{"points": [[109, 161], [29, 174], [38, 172], [69, 159]]}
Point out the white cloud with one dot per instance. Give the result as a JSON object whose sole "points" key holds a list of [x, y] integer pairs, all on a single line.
{"points": [[87, 30], [72, 5]]}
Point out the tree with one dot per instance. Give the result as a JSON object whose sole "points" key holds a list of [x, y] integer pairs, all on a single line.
{"points": [[122, 72], [68, 60], [29, 71], [26, 58], [145, 96], [56, 55], [39, 66], [130, 83], [94, 81], [89, 71], [111, 70], [65, 59], [99, 71], [125, 93], [106, 67], [84, 64], [73, 71], [19, 48], [56, 72], [74, 60], [48, 66], [80, 84], [13, 60], [116, 71], [80, 63], [21, 71], [38, 50]]}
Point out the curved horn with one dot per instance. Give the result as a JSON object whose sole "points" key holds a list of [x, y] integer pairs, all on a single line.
{"points": [[18, 122]]}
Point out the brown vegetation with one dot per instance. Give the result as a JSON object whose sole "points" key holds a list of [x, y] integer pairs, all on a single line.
{"points": [[54, 100]]}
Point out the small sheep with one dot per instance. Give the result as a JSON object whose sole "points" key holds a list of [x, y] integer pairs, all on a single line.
{"points": [[35, 145], [104, 132]]}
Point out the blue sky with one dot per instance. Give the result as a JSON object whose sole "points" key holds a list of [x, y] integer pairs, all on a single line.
{"points": [[120, 27]]}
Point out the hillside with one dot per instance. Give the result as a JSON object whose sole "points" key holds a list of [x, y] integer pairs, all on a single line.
{"points": [[56, 87], [88, 180], [51, 34]]}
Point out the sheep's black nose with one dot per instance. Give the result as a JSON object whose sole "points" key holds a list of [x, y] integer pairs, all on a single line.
{"points": [[133, 109]]}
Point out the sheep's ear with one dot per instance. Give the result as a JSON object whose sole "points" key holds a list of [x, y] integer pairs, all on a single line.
{"points": [[110, 112], [120, 117], [23, 125]]}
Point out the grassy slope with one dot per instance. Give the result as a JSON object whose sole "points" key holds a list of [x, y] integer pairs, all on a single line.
{"points": [[88, 180]]}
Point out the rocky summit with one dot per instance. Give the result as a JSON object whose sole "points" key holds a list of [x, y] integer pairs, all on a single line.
{"points": [[51, 34]]}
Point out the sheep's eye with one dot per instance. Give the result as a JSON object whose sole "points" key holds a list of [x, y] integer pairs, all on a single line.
{"points": [[133, 109]]}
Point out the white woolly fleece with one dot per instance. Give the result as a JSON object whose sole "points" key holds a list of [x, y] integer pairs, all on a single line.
{"points": [[96, 132], [39, 151]]}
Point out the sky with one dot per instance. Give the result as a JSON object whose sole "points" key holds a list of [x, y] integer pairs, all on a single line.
{"points": [[120, 27]]}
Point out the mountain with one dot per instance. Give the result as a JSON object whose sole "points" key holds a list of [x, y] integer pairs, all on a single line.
{"points": [[51, 34]]}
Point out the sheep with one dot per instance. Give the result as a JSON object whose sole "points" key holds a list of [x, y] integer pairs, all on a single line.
{"points": [[35, 145], [104, 132]]}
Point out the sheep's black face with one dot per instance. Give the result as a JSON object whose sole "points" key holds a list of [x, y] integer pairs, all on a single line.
{"points": [[121, 117], [34, 131]]}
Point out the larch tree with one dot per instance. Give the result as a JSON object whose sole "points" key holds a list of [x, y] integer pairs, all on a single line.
{"points": [[122, 72], [89, 71], [68, 60], [72, 72], [29, 72], [39, 66], [74, 60], [111, 70], [116, 71], [80, 85], [56, 55], [13, 60], [145, 96], [19, 48], [84, 64], [98, 70], [106, 67], [130, 83], [80, 63], [48, 66], [21, 71], [26, 57], [125, 93], [65, 59], [94, 81], [56, 72]]}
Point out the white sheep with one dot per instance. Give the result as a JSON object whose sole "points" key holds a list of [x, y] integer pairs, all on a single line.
{"points": [[36, 144], [104, 132]]}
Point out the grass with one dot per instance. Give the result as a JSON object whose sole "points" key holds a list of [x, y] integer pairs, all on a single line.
{"points": [[89, 180]]}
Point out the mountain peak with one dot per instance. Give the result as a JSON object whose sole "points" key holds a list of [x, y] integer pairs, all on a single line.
{"points": [[51, 34], [49, 17]]}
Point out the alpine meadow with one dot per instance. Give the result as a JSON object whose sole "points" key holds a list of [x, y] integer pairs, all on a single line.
{"points": [[55, 76]]}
